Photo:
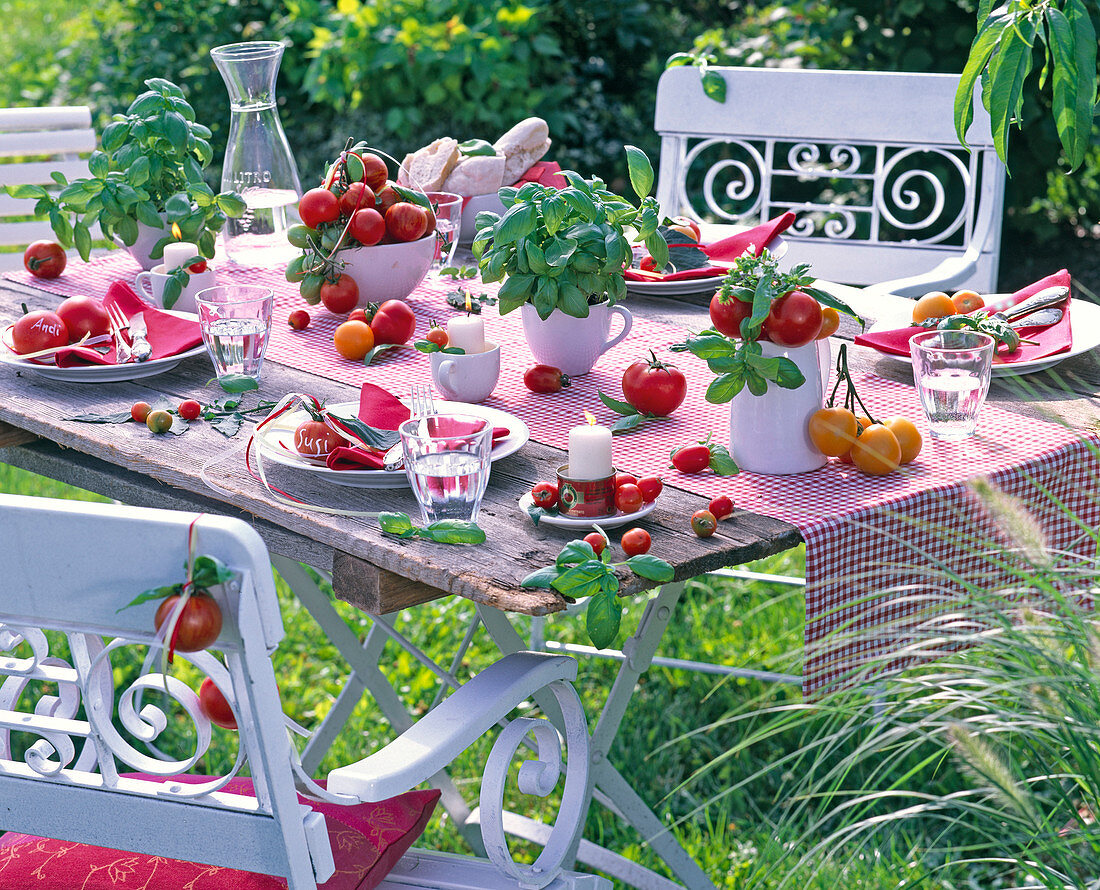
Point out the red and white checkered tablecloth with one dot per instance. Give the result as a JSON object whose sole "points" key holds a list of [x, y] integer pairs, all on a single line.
{"points": [[863, 534]]}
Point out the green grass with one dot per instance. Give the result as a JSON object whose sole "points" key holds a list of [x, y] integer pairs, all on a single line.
{"points": [[732, 622]]}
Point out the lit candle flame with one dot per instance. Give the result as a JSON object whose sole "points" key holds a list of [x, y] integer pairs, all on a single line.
{"points": [[590, 417], [176, 233], [469, 302]]}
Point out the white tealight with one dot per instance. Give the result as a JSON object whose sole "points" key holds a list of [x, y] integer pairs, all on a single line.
{"points": [[176, 253], [590, 452], [466, 332]]}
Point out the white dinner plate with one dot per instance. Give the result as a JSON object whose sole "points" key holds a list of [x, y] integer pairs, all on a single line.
{"points": [[1084, 320], [99, 373], [276, 441], [778, 247], [587, 522]]}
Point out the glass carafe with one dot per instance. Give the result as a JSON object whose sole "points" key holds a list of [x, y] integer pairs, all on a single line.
{"points": [[258, 163]]}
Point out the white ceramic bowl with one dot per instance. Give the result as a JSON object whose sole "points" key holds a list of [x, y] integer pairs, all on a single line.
{"points": [[471, 209], [389, 271]]}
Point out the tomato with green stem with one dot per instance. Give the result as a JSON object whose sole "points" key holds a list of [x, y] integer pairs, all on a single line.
{"points": [[545, 495], [199, 623], [703, 523], [317, 206], [654, 387]]}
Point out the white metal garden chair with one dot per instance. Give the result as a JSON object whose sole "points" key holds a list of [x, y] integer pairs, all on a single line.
{"points": [[71, 730], [33, 143], [869, 161]]}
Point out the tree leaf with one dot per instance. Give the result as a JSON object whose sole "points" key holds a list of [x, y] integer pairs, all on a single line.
{"points": [[602, 619], [1084, 87], [714, 85], [981, 50], [652, 568], [640, 170], [1008, 70]]}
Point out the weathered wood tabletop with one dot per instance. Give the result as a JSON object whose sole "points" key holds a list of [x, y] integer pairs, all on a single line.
{"points": [[377, 572]]}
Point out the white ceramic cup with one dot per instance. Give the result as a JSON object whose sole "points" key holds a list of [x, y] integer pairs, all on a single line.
{"points": [[573, 344], [467, 378], [150, 285]]}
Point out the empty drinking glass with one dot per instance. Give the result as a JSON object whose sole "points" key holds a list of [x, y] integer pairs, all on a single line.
{"points": [[448, 220], [235, 321], [447, 459], [951, 370]]}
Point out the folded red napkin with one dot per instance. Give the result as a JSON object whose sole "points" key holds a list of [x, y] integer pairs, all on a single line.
{"points": [[384, 411], [545, 172], [168, 334], [724, 251], [1049, 341]]}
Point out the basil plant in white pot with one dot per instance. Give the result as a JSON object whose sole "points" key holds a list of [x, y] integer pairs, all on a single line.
{"points": [[564, 252]]}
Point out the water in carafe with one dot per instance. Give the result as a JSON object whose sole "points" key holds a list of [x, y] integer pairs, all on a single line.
{"points": [[258, 163]]}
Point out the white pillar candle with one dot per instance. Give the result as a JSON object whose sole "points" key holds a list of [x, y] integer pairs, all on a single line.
{"points": [[590, 452], [466, 332], [176, 253]]}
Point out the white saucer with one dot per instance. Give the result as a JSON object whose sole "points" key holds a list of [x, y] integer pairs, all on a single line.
{"points": [[619, 518]]}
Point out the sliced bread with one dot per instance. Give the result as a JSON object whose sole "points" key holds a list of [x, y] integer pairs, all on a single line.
{"points": [[478, 175], [429, 167]]}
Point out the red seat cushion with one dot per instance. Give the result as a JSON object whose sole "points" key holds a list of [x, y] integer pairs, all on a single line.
{"points": [[367, 841]]}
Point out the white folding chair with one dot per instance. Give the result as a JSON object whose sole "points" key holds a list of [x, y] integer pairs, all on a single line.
{"points": [[869, 162], [72, 731], [33, 143]]}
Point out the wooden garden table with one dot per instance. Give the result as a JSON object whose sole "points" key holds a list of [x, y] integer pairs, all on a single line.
{"points": [[382, 574]]}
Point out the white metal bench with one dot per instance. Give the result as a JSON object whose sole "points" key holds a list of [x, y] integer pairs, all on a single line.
{"points": [[68, 567], [869, 161], [33, 143]]}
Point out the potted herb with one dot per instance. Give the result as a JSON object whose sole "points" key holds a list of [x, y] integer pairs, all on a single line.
{"points": [[770, 354], [563, 253], [146, 177]]}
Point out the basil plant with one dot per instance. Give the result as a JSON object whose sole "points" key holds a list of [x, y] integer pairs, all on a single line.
{"points": [[149, 170], [567, 248]]}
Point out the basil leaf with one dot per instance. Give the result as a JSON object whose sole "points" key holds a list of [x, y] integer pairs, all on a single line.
{"points": [[453, 531], [154, 593], [377, 351], [581, 580], [617, 406], [602, 619], [710, 346], [236, 383], [543, 577], [827, 299], [474, 148], [628, 423], [520, 220], [714, 85], [426, 346], [575, 552], [228, 424], [116, 417], [788, 376], [363, 433], [209, 571], [396, 524], [724, 387], [640, 169], [721, 462], [652, 568]]}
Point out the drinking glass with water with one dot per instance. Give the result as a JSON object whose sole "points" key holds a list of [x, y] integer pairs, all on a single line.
{"points": [[951, 370], [447, 461], [236, 324]]}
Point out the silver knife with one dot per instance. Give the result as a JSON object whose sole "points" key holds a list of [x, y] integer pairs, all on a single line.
{"points": [[139, 346]]}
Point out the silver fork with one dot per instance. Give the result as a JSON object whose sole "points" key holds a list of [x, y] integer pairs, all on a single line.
{"points": [[119, 323], [423, 405]]}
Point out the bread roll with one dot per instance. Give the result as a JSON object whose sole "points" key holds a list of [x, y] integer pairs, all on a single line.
{"points": [[430, 166], [478, 175], [522, 146]]}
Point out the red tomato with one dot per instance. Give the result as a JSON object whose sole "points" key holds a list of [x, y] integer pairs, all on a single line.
{"points": [[84, 315], [375, 172], [386, 197], [686, 226], [44, 259], [654, 387], [628, 498], [545, 495], [214, 705], [367, 227], [341, 295], [691, 458], [198, 267], [394, 322], [647, 264], [635, 542], [651, 488], [318, 206], [361, 314], [314, 438], [298, 319], [198, 626], [625, 479], [406, 222], [37, 330], [189, 410], [721, 507], [703, 523], [794, 320], [544, 379], [139, 411], [596, 541], [357, 197], [727, 313], [438, 336]]}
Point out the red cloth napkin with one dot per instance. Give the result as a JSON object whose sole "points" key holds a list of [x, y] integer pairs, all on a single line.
{"points": [[724, 251], [167, 334], [383, 410], [544, 172], [1050, 340]]}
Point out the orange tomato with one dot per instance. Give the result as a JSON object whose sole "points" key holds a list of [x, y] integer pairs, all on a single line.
{"points": [[967, 301], [830, 322], [861, 424], [876, 451], [833, 430], [354, 339], [934, 305], [908, 436]]}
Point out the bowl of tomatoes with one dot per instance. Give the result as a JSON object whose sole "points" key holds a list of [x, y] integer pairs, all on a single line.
{"points": [[389, 271]]}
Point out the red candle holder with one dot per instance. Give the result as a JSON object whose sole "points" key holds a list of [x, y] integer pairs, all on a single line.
{"points": [[586, 498]]}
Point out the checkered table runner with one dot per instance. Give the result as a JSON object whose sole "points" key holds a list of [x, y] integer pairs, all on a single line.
{"points": [[863, 534]]}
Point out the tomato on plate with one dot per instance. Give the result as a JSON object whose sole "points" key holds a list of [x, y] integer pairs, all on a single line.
{"points": [[38, 330], [214, 706], [651, 488], [394, 322], [340, 296], [84, 316], [654, 387], [318, 206], [628, 498], [794, 320], [314, 438], [44, 259], [625, 479], [545, 495], [198, 625]]}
